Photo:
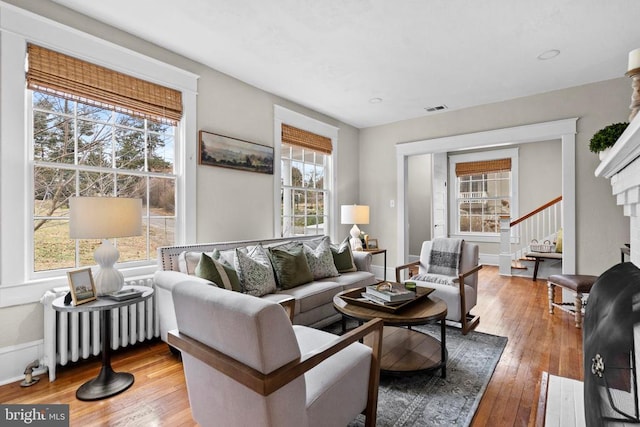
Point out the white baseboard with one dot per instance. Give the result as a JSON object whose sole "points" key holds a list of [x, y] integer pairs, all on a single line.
{"points": [[14, 359], [489, 259]]}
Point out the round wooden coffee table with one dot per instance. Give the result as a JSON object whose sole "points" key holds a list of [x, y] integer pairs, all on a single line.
{"points": [[405, 350]]}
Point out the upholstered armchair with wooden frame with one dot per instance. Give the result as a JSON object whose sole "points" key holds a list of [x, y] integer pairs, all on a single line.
{"points": [[459, 292], [246, 364]]}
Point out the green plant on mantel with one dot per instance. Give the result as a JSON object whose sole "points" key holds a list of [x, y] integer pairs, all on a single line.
{"points": [[606, 137]]}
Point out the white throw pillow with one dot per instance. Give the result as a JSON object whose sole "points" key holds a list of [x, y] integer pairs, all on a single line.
{"points": [[255, 272], [320, 260]]}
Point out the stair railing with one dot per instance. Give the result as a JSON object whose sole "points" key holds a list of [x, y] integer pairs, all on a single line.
{"points": [[540, 224]]}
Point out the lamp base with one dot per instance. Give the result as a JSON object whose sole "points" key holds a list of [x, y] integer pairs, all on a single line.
{"points": [[107, 279], [355, 242]]}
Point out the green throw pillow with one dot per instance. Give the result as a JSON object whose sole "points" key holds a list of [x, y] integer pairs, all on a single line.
{"points": [[291, 267], [343, 258], [222, 275]]}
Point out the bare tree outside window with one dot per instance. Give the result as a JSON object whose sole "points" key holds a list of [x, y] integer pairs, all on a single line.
{"points": [[86, 150]]}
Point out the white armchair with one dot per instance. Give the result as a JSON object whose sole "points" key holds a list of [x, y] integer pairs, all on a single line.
{"points": [[460, 291], [245, 364]]}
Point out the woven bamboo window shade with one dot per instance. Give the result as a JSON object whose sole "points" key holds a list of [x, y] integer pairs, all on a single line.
{"points": [[79, 80], [487, 166], [305, 139]]}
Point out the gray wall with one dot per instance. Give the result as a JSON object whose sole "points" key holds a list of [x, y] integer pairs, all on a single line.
{"points": [[419, 201], [600, 227], [230, 204]]}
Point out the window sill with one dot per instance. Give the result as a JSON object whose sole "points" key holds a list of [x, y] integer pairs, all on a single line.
{"points": [[484, 238], [31, 291]]}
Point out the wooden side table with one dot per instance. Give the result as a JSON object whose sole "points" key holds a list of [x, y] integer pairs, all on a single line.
{"points": [[108, 382], [376, 252]]}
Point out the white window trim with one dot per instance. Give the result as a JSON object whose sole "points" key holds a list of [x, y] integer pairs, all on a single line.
{"points": [[17, 28], [284, 115], [511, 153]]}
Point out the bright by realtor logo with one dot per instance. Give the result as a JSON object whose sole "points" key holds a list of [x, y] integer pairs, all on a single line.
{"points": [[34, 415]]}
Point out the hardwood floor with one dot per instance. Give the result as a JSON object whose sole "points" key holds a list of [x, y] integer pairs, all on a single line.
{"points": [[513, 307]]}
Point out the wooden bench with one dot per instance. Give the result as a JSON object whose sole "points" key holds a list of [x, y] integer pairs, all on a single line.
{"points": [[578, 284], [541, 256]]}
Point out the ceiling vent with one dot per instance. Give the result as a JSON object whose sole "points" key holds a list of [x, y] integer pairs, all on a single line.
{"points": [[436, 108]]}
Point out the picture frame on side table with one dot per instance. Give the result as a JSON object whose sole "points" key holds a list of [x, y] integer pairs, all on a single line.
{"points": [[82, 286], [372, 244], [227, 152]]}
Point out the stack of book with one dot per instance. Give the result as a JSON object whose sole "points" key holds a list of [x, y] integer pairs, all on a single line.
{"points": [[388, 294], [124, 294]]}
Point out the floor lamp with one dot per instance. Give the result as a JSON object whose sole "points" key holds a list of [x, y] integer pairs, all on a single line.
{"points": [[105, 218], [354, 214]]}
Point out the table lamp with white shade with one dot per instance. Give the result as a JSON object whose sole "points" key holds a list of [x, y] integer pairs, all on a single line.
{"points": [[354, 214], [105, 218]]}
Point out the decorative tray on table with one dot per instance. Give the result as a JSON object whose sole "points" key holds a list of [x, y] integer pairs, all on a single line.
{"points": [[357, 297]]}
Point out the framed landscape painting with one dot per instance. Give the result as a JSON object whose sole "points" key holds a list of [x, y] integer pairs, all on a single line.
{"points": [[227, 152]]}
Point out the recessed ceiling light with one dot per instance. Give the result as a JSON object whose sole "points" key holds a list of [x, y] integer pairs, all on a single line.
{"points": [[375, 100], [549, 54]]}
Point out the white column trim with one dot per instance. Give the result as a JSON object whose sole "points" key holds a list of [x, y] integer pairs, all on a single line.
{"points": [[561, 130]]}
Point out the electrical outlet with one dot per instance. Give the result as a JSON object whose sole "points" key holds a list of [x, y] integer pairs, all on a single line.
{"points": [[392, 203]]}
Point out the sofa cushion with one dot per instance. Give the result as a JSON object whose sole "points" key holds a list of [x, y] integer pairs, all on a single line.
{"points": [[342, 257], [290, 266], [313, 294], [355, 279], [320, 260], [218, 273], [255, 272]]}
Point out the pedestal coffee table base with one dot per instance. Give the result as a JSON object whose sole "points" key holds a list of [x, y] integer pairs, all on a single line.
{"points": [[406, 351]]}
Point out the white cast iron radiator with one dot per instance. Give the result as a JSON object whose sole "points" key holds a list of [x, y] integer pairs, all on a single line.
{"points": [[69, 337]]}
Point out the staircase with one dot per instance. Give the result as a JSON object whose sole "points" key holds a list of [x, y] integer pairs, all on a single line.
{"points": [[540, 224]]}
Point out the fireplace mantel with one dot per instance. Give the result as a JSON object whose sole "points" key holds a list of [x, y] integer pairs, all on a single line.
{"points": [[622, 167]]}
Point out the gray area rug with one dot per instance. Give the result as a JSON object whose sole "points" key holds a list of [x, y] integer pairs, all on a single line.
{"points": [[428, 400]]}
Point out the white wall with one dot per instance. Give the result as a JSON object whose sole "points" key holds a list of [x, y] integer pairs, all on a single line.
{"points": [[230, 204], [600, 229]]}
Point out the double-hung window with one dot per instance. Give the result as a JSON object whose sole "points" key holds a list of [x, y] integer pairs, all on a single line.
{"points": [[305, 164], [96, 132], [484, 189]]}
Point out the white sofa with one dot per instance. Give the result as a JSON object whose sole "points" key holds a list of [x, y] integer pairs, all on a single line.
{"points": [[313, 300]]}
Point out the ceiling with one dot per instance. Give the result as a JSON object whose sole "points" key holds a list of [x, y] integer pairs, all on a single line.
{"points": [[338, 56]]}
